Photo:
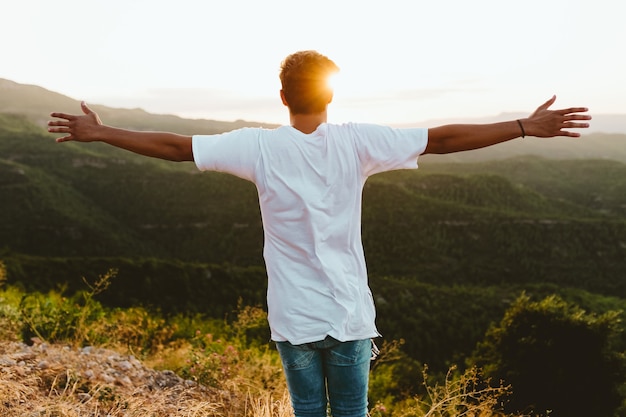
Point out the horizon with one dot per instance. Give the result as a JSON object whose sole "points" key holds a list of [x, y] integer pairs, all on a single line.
{"points": [[400, 63], [609, 123]]}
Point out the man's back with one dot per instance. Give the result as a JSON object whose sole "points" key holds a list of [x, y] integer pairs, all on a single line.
{"points": [[310, 188]]}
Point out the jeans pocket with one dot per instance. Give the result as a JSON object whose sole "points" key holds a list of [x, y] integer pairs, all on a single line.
{"points": [[351, 353], [294, 357]]}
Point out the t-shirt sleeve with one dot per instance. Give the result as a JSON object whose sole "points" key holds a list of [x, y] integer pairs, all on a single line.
{"points": [[382, 148], [235, 152]]}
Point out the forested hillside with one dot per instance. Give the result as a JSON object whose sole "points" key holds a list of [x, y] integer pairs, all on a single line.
{"points": [[448, 246]]}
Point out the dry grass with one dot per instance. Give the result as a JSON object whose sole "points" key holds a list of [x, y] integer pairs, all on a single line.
{"points": [[54, 381], [231, 375]]}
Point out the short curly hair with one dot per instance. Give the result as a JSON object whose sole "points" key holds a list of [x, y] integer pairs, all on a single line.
{"points": [[304, 78]]}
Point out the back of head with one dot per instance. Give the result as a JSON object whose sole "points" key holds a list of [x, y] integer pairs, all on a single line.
{"points": [[304, 77]]}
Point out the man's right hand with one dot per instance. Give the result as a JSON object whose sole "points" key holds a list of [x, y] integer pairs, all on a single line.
{"points": [[82, 128]]}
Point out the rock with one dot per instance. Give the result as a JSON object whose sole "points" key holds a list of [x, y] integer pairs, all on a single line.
{"points": [[107, 378], [7, 362], [24, 356], [87, 350], [125, 365], [124, 380]]}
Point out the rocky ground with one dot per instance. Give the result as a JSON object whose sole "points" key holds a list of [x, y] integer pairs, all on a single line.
{"points": [[56, 380]]}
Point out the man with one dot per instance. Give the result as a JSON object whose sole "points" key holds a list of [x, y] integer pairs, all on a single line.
{"points": [[310, 176]]}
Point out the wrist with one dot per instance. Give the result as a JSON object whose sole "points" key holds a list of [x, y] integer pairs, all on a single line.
{"points": [[527, 125], [522, 129], [100, 133]]}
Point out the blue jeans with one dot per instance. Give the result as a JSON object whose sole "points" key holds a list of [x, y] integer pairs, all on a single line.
{"points": [[327, 371]]}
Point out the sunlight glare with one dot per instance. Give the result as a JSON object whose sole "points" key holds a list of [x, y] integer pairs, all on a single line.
{"points": [[346, 86], [333, 80]]}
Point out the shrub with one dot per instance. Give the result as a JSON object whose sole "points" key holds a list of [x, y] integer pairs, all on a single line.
{"points": [[558, 358], [54, 317]]}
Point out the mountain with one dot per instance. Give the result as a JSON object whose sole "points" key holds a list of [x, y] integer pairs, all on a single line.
{"points": [[36, 103], [552, 210], [606, 138]]}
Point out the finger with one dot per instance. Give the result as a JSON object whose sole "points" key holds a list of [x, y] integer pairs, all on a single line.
{"points": [[547, 104], [64, 139], [85, 108], [58, 123], [570, 125], [63, 116], [571, 110], [577, 117], [59, 129], [570, 134]]}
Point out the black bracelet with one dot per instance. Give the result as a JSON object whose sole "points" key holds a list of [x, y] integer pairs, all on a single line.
{"points": [[521, 127]]}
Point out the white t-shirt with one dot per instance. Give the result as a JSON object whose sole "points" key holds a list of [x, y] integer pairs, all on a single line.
{"points": [[310, 188]]}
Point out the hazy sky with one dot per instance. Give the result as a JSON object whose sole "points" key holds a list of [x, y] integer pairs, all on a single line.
{"points": [[401, 61]]}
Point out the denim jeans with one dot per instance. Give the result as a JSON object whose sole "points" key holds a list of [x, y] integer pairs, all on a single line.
{"points": [[327, 371]]}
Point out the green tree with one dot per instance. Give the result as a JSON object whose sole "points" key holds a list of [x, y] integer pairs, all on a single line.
{"points": [[558, 359]]}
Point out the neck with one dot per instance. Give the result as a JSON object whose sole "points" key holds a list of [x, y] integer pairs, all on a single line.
{"points": [[307, 123]]}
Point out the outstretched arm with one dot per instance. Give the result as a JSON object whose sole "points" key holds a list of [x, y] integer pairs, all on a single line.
{"points": [[88, 128], [543, 123]]}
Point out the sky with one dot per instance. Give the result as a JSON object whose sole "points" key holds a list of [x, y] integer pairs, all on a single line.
{"points": [[401, 61]]}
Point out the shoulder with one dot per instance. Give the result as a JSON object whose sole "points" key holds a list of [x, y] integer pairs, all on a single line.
{"points": [[231, 135]]}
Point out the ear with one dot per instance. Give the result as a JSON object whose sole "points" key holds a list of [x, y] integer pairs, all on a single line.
{"points": [[282, 97], [330, 97]]}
